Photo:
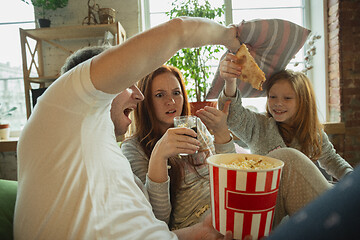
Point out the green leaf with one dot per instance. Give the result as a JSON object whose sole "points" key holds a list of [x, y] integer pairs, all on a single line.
{"points": [[194, 62]]}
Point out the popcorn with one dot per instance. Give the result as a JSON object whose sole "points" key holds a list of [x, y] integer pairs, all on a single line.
{"points": [[253, 164]]}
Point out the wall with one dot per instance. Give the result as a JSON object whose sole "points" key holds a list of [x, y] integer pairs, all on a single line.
{"points": [[344, 74], [74, 13], [127, 13], [8, 165]]}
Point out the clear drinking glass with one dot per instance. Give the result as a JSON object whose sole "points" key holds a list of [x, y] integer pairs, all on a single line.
{"points": [[186, 121]]}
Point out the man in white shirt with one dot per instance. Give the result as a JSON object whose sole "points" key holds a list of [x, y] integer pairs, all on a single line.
{"points": [[73, 180]]}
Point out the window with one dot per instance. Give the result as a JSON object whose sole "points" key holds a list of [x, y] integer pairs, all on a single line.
{"points": [[11, 74], [282, 9], [300, 12]]}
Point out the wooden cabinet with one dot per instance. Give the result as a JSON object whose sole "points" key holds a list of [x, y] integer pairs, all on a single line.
{"points": [[32, 49]]}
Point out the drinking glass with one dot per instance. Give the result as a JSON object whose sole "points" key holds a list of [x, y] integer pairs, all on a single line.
{"points": [[186, 121]]}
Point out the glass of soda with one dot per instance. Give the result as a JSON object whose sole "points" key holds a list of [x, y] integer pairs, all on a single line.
{"points": [[186, 121]]}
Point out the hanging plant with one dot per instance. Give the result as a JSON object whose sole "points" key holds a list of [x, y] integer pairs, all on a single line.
{"points": [[310, 53]]}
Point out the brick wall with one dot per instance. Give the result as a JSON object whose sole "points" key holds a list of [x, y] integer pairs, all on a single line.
{"points": [[344, 74]]}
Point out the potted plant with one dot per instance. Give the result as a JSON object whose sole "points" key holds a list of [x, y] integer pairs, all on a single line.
{"points": [[43, 6], [194, 62], [4, 125]]}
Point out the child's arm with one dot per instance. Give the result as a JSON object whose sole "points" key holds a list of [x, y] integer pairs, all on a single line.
{"points": [[331, 161], [230, 70]]}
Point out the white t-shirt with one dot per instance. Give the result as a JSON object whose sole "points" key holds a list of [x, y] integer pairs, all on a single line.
{"points": [[74, 181]]}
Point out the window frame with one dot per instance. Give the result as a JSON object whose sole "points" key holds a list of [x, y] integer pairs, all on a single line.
{"points": [[314, 20], [18, 117]]}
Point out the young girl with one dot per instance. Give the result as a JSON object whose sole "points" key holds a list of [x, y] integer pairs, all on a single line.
{"points": [[291, 119], [179, 194]]}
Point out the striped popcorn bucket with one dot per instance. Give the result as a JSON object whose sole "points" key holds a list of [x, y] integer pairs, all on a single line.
{"points": [[243, 201]]}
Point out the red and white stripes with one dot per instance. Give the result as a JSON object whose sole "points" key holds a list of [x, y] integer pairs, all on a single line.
{"points": [[243, 202]]}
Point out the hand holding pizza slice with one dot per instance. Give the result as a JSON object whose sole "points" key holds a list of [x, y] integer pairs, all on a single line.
{"points": [[250, 71]]}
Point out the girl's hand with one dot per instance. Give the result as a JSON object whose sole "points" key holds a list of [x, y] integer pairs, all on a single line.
{"points": [[173, 142], [230, 70], [216, 121]]}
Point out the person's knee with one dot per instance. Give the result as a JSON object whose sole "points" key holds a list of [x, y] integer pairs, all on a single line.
{"points": [[290, 156]]}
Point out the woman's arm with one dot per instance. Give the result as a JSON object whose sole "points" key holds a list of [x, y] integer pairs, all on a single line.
{"points": [[123, 65], [136, 156], [159, 194]]}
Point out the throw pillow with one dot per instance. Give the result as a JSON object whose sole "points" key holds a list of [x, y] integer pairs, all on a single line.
{"points": [[272, 42]]}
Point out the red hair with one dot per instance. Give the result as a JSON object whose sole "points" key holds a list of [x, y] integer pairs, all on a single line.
{"points": [[305, 127]]}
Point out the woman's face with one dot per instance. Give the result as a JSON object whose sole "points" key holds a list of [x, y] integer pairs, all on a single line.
{"points": [[167, 99], [282, 102]]}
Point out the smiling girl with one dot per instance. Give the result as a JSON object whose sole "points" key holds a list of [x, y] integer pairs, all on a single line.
{"points": [[291, 119]]}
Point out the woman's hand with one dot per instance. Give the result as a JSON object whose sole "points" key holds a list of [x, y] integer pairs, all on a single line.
{"points": [[230, 70], [173, 142], [216, 121]]}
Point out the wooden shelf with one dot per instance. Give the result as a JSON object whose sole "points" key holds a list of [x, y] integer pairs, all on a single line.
{"points": [[56, 37], [9, 145], [77, 32], [334, 128]]}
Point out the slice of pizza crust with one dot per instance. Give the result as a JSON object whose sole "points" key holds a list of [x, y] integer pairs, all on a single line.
{"points": [[250, 71]]}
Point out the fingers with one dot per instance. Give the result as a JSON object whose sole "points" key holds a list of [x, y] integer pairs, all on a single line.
{"points": [[208, 115], [184, 140], [226, 107], [228, 235], [229, 67], [183, 131], [209, 110], [231, 57], [248, 237]]}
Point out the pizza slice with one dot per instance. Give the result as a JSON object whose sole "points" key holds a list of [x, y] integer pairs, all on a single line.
{"points": [[250, 71]]}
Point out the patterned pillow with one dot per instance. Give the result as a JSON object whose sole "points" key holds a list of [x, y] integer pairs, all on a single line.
{"points": [[272, 42]]}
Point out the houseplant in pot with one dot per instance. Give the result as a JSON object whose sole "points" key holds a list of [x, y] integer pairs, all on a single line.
{"points": [[194, 63], [4, 125], [44, 5]]}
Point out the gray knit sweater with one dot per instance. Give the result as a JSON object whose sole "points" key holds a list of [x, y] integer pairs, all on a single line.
{"points": [[193, 197], [261, 134]]}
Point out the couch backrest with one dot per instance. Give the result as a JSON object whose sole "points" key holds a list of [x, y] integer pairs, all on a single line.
{"points": [[8, 190]]}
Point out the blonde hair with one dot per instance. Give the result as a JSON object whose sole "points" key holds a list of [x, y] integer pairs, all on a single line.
{"points": [[305, 126]]}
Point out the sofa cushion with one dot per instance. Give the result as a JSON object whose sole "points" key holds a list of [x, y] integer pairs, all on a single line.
{"points": [[8, 190]]}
